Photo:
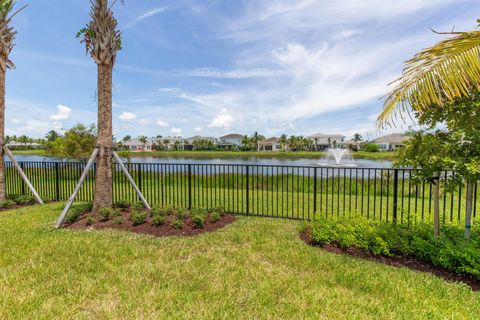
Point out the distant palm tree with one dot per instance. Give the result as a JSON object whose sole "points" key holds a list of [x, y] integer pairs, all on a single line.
{"points": [[256, 138], [448, 70], [357, 138], [7, 36], [284, 141], [102, 40], [143, 140], [52, 135], [292, 143], [246, 142]]}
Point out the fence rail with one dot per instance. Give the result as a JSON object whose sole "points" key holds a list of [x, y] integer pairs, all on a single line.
{"points": [[293, 192]]}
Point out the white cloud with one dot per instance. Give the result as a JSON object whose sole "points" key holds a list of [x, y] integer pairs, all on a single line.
{"points": [[235, 74], [223, 121], [63, 113], [143, 122], [127, 116], [198, 129], [163, 124], [146, 15], [176, 131]]}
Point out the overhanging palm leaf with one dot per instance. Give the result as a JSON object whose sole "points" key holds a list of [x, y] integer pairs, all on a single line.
{"points": [[448, 70]]}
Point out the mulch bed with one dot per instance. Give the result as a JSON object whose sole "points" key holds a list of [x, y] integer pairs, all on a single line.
{"points": [[164, 230], [399, 261]]}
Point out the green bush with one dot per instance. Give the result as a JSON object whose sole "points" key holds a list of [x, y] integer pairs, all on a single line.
{"points": [[158, 220], [160, 211], [72, 216], [220, 210], [76, 211], [138, 217], [106, 214], [215, 217], [177, 224], [7, 204], [122, 204], [182, 213], [198, 221], [451, 252], [90, 220], [118, 220], [138, 206], [24, 200]]}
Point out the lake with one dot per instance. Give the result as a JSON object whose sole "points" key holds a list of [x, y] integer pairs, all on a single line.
{"points": [[360, 163]]}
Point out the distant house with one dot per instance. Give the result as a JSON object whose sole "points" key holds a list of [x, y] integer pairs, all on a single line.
{"points": [[189, 143], [151, 144], [23, 145], [230, 141], [325, 141], [391, 142], [270, 144]]}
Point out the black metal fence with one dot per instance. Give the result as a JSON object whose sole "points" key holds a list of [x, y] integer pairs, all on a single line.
{"points": [[293, 192]]}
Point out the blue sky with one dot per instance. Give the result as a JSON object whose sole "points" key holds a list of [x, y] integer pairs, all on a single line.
{"points": [[213, 67]]}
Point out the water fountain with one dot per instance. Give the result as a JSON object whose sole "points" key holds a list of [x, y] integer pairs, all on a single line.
{"points": [[336, 158]]}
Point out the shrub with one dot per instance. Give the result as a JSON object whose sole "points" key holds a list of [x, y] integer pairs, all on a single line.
{"points": [[118, 220], [177, 224], [220, 210], [451, 252], [198, 221], [7, 204], [24, 200], [138, 206], [215, 217], [76, 211], [138, 217], [122, 204], [158, 220], [159, 211], [72, 216], [106, 214], [182, 213], [90, 220]]}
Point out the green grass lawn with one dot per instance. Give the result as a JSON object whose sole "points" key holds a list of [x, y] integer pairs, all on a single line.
{"points": [[256, 268]]}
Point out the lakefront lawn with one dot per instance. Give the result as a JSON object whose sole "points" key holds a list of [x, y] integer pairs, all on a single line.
{"points": [[253, 268]]}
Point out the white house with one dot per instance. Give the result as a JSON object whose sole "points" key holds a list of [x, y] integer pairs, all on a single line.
{"points": [[270, 144], [230, 141], [151, 144], [391, 142], [325, 141], [137, 145], [190, 141]]}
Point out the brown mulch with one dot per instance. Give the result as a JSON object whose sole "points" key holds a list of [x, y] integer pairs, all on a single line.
{"points": [[399, 261], [164, 230]]}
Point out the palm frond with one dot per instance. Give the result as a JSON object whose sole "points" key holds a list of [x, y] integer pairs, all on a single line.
{"points": [[7, 33], [439, 74]]}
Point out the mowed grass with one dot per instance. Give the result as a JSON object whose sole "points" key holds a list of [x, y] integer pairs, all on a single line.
{"points": [[256, 268]]}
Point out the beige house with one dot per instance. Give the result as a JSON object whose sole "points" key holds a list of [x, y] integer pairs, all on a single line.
{"points": [[391, 142], [325, 141], [270, 144]]}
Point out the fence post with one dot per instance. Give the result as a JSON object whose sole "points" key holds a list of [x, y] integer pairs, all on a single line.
{"points": [[315, 193], [189, 186], [23, 182], [57, 182], [140, 180], [395, 195], [248, 190]]}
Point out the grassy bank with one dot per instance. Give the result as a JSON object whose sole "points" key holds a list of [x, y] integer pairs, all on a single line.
{"points": [[255, 268], [32, 152], [238, 154]]}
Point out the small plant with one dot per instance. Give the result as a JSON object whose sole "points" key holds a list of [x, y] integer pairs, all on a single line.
{"points": [[106, 214], [159, 211], [170, 210], [90, 221], [138, 217], [7, 204], [138, 206], [177, 224], [199, 212], [118, 220], [25, 200], [198, 221], [182, 213], [158, 220], [122, 204], [219, 210], [215, 217], [72, 216]]}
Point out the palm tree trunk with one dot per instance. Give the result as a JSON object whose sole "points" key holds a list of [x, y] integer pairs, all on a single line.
{"points": [[436, 205], [2, 132], [103, 181], [468, 216]]}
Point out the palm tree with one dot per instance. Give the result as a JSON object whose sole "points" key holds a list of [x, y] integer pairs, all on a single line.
{"points": [[52, 135], [284, 141], [102, 40], [437, 75], [143, 141], [246, 142], [357, 138], [7, 36], [256, 138], [433, 78]]}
